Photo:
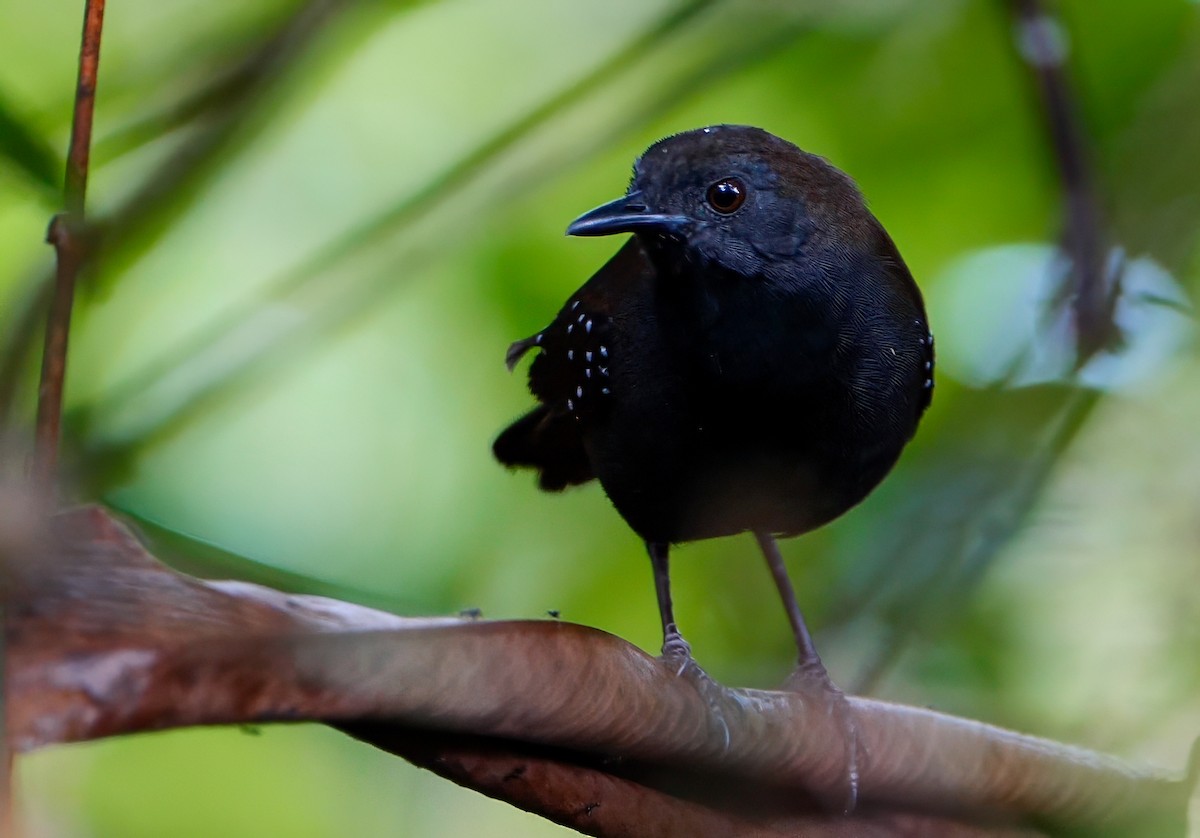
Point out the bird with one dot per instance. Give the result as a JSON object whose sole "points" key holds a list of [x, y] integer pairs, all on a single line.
{"points": [[754, 358]]}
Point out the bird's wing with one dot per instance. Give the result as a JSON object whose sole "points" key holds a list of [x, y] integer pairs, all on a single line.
{"points": [[571, 374]]}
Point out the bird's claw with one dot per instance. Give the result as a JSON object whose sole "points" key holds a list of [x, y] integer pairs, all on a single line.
{"points": [[677, 653], [810, 675], [812, 678]]}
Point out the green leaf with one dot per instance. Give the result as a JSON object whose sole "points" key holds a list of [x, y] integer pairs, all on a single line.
{"points": [[27, 150]]}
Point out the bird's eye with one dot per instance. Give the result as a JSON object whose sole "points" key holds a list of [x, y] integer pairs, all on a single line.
{"points": [[725, 196]]}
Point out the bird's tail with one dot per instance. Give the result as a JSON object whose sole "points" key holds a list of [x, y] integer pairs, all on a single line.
{"points": [[549, 442]]}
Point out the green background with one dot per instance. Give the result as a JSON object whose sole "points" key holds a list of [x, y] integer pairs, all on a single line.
{"points": [[291, 354]]}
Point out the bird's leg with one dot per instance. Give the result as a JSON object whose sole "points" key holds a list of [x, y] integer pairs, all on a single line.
{"points": [[810, 671], [676, 652], [808, 662], [674, 647]]}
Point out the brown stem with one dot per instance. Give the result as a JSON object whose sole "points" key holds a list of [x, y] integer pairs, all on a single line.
{"points": [[66, 235], [1043, 46], [173, 185]]}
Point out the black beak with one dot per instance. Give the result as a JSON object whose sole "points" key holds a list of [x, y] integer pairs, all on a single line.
{"points": [[627, 214]]}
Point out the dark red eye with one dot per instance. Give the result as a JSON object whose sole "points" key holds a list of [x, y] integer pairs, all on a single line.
{"points": [[725, 196]]}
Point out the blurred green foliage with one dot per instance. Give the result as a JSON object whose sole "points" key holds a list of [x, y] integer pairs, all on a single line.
{"points": [[323, 222]]}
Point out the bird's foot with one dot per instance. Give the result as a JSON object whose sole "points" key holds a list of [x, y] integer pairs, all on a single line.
{"points": [[811, 678], [677, 654], [676, 651]]}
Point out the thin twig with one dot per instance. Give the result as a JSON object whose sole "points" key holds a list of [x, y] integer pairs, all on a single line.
{"points": [[1043, 47], [1042, 43], [175, 183], [67, 236]]}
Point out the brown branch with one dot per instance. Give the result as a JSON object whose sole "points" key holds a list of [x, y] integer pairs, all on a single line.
{"points": [[606, 803], [104, 640], [67, 236], [1042, 43]]}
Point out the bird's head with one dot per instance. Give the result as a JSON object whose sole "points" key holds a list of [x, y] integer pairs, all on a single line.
{"points": [[737, 197]]}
